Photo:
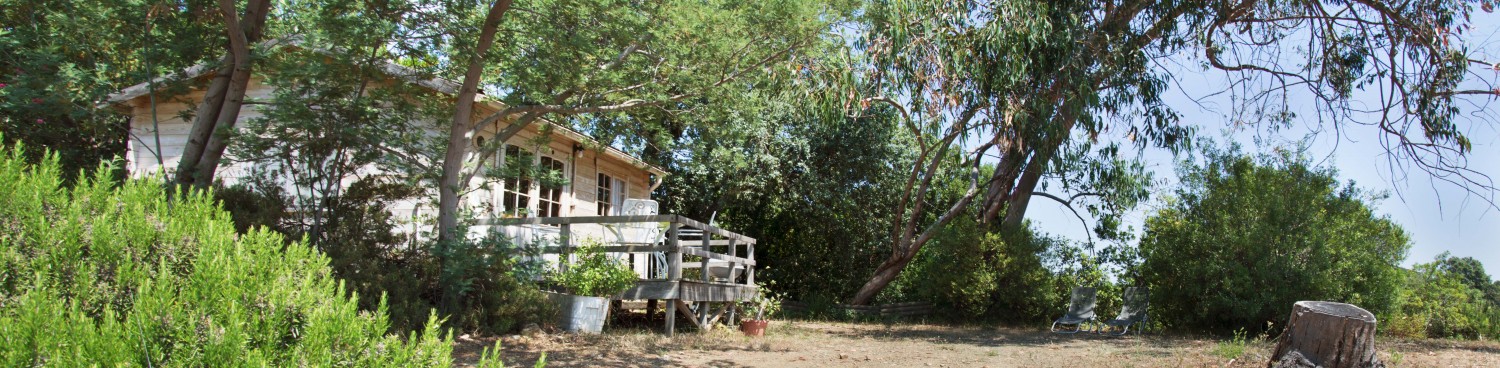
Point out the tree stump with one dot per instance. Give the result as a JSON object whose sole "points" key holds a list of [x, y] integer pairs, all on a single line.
{"points": [[1327, 334]]}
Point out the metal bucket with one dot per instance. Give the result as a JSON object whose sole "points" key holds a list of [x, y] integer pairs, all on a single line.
{"points": [[576, 313]]}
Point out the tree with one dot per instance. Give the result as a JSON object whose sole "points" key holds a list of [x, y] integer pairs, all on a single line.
{"points": [[1472, 273], [579, 60], [1244, 238], [780, 170], [1024, 80], [1437, 301], [331, 105]]}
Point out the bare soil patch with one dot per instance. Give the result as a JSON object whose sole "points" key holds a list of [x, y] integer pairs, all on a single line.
{"points": [[839, 344]]}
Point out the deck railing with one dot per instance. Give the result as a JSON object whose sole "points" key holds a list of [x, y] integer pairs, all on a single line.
{"points": [[684, 237]]}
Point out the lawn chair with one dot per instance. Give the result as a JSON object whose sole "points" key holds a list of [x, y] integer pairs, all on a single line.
{"points": [[1136, 300], [1080, 310]]}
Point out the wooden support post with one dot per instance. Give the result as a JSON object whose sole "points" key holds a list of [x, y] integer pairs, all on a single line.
{"points": [[703, 272], [674, 274], [1327, 334]]}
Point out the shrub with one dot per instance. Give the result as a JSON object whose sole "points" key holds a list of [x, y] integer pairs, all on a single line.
{"points": [[106, 274], [1011, 278], [595, 274], [1244, 238], [1436, 302], [472, 282]]}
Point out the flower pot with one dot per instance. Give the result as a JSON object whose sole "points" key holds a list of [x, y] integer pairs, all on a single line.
{"points": [[754, 328], [576, 313]]}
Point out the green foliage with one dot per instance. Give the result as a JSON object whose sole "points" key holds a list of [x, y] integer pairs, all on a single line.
{"points": [[1016, 278], [782, 171], [484, 277], [1438, 301], [59, 61], [482, 284], [1232, 348], [107, 274], [594, 273], [490, 358], [766, 303], [1245, 238], [1472, 273]]}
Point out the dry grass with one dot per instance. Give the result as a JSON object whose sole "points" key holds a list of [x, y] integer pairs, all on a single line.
{"points": [[823, 344]]}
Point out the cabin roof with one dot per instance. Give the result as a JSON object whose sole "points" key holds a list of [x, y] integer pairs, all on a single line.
{"points": [[440, 85]]}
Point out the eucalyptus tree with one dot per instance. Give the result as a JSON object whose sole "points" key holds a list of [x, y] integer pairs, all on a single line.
{"points": [[1025, 81], [573, 61]]}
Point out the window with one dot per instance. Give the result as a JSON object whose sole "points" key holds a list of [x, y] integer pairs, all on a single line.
{"points": [[549, 198], [516, 196], [606, 192], [611, 195]]}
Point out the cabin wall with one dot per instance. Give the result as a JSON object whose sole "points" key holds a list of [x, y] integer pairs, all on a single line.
{"points": [[578, 198], [142, 150]]}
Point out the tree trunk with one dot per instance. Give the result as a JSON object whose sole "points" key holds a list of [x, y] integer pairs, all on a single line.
{"points": [[221, 104], [884, 275], [463, 117], [203, 121], [1327, 334]]}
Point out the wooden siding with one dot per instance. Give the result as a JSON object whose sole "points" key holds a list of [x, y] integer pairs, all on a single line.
{"points": [[578, 196]]}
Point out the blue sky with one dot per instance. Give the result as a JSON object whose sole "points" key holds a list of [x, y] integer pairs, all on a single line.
{"points": [[1437, 216]]}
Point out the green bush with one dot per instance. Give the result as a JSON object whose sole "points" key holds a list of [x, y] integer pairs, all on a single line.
{"points": [[116, 274], [1436, 302], [1244, 238], [477, 284], [594, 273], [1009, 278]]}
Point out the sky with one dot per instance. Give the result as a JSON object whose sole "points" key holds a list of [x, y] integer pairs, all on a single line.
{"points": [[1437, 216]]}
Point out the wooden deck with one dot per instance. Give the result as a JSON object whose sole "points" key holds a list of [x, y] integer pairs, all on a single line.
{"points": [[687, 244]]}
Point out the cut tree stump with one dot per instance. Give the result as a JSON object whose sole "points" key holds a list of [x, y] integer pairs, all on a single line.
{"points": [[1327, 334]]}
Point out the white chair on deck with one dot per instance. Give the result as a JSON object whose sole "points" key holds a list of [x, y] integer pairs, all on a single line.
{"points": [[642, 233]]}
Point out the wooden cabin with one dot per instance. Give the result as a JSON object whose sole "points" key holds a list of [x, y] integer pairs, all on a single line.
{"points": [[607, 198]]}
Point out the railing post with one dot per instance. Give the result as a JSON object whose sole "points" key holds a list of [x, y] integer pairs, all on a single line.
{"points": [[750, 270], [674, 274], [704, 270], [734, 252], [674, 253]]}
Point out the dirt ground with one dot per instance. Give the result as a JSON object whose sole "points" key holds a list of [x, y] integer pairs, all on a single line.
{"points": [[838, 344]]}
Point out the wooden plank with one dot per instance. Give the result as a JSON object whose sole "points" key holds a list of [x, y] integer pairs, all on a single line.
{"points": [[612, 249], [721, 257], [713, 229], [575, 220], [650, 289], [715, 291], [682, 308]]}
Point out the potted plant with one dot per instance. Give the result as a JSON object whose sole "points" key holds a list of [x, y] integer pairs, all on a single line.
{"points": [[588, 285], [763, 305]]}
